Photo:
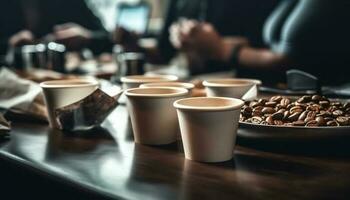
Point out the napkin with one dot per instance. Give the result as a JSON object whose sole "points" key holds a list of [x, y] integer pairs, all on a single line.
{"points": [[21, 95]]}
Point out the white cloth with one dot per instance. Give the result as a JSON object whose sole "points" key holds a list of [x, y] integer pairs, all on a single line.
{"points": [[16, 92]]}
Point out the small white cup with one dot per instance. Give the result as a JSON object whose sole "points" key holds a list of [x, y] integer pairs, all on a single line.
{"points": [[153, 118], [208, 127], [233, 88], [61, 93], [135, 81], [188, 86]]}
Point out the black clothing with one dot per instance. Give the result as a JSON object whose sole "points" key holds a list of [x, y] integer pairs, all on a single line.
{"points": [[40, 16], [314, 34], [229, 17]]}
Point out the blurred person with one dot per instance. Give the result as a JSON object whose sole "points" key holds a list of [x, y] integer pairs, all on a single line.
{"points": [[71, 23], [229, 17], [309, 35]]}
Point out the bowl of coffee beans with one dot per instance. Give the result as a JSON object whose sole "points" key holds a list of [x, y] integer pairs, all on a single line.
{"points": [[306, 116]]}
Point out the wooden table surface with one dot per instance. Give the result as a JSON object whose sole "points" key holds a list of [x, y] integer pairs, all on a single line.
{"points": [[108, 163]]}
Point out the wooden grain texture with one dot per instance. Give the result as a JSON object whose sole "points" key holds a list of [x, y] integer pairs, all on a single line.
{"points": [[108, 163]]}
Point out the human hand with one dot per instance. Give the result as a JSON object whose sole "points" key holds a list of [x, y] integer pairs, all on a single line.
{"points": [[180, 31], [128, 39], [72, 35], [203, 40], [21, 38]]}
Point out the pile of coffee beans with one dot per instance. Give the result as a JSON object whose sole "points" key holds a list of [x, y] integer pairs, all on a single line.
{"points": [[307, 111]]}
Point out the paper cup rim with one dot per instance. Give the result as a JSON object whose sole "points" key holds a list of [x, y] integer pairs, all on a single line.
{"points": [[233, 104], [148, 78], [177, 92], [185, 85], [69, 83], [221, 82]]}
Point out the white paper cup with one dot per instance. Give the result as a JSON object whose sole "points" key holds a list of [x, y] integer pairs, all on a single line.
{"points": [[61, 93], [233, 88], [208, 127], [153, 118], [135, 81], [188, 86]]}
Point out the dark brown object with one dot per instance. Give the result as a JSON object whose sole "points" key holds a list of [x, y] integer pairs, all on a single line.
{"points": [[320, 121], [312, 123], [276, 99], [86, 113], [298, 123], [296, 109], [271, 104], [294, 116], [343, 121], [316, 98], [332, 123], [268, 110], [304, 99], [306, 111], [284, 102], [256, 120]]}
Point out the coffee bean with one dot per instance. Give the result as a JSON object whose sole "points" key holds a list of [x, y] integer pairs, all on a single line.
{"points": [[286, 115], [337, 113], [270, 104], [304, 99], [315, 108], [268, 110], [278, 122], [290, 105], [337, 104], [282, 110], [301, 105], [257, 111], [312, 123], [262, 101], [324, 114], [255, 104], [247, 111], [308, 110], [320, 120], [280, 106], [311, 114], [256, 120], [343, 121], [284, 102], [324, 104], [327, 119], [277, 116], [265, 123], [332, 123], [307, 119], [296, 109], [298, 123], [294, 116], [303, 115], [347, 110], [276, 99], [269, 120], [316, 98], [346, 105]]}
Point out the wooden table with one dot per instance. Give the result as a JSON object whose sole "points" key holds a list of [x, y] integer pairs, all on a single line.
{"points": [[108, 164]]}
